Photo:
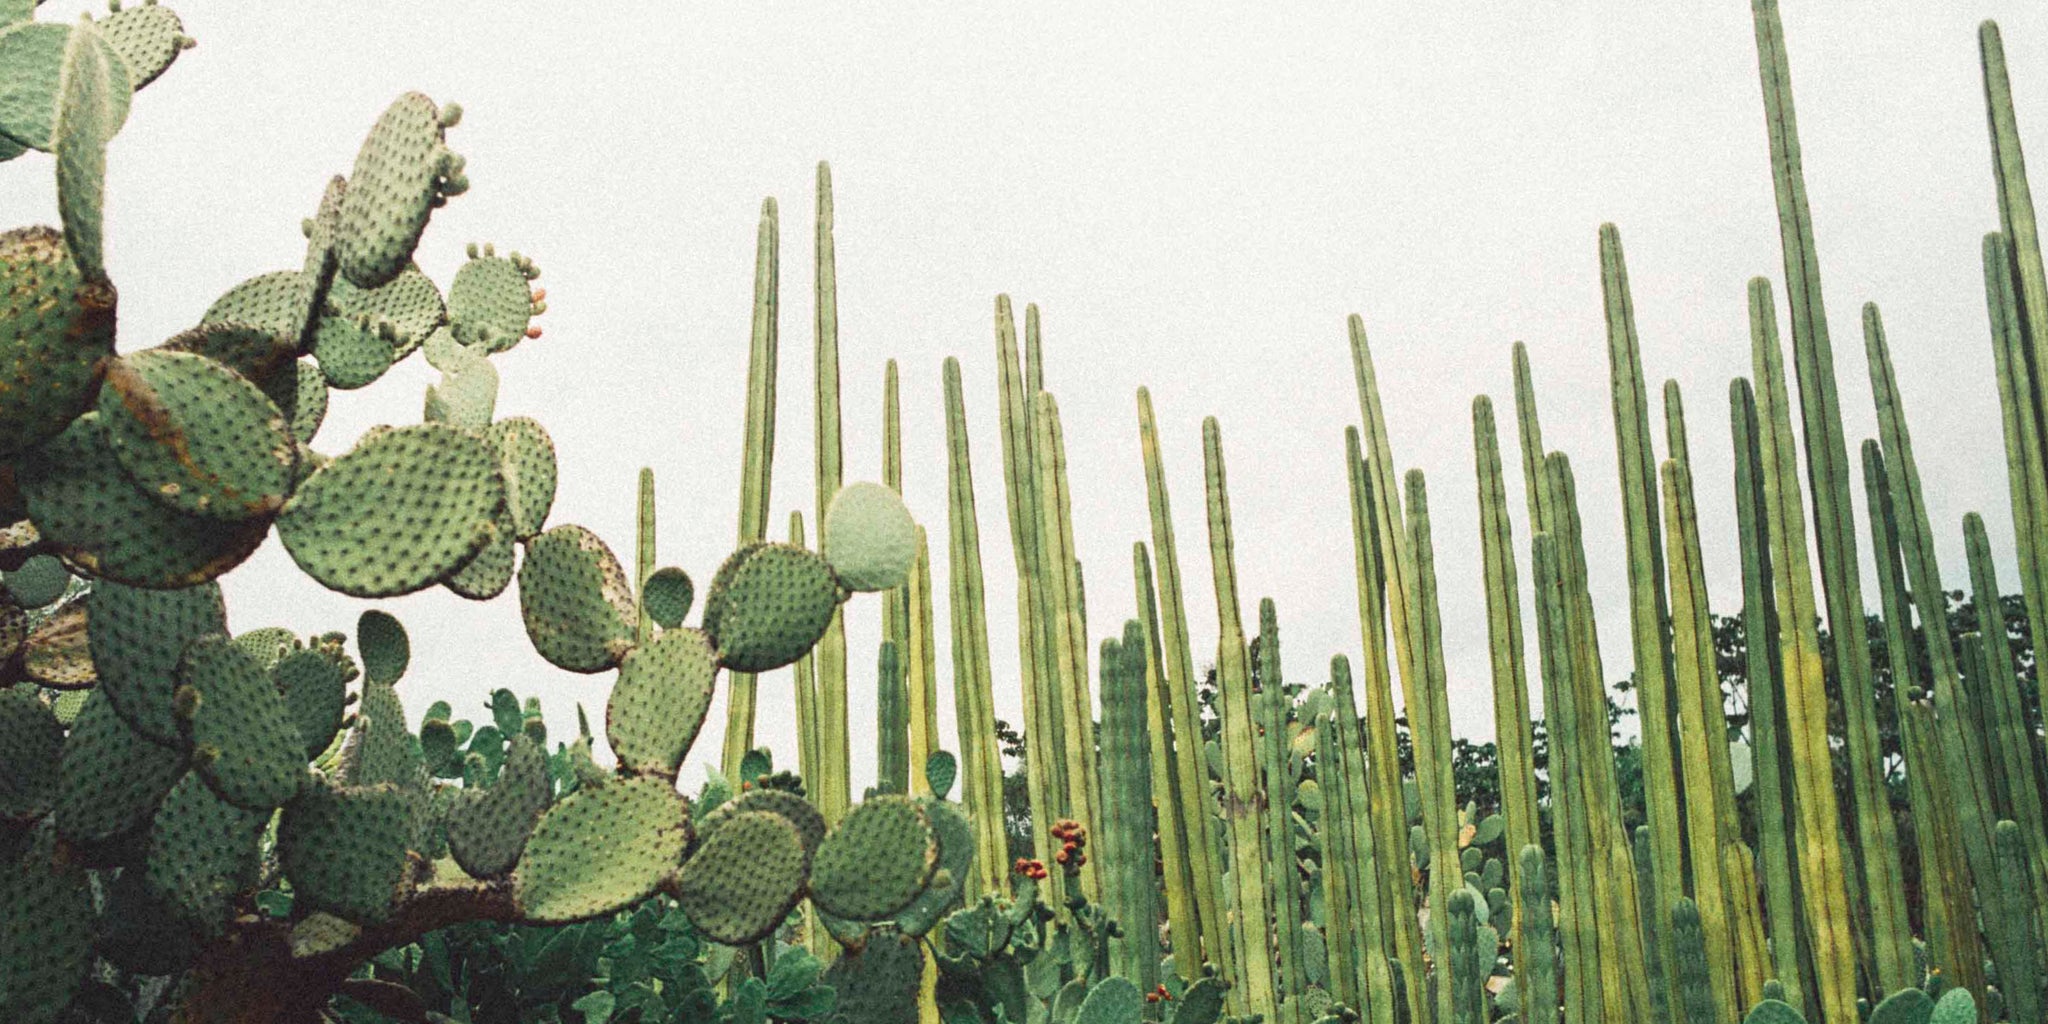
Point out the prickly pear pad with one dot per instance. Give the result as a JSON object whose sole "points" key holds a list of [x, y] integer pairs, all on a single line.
{"points": [[600, 850], [491, 571], [526, 456], [46, 915], [870, 538], [576, 600], [30, 742], [659, 702], [148, 37], [802, 815], [409, 304], [956, 861], [56, 654], [397, 513], [109, 778], [490, 302], [197, 436], [315, 694], [667, 595], [33, 55], [136, 638], [344, 849], [744, 879], [383, 749], [241, 730], [275, 302], [252, 350], [768, 605], [55, 329], [350, 355], [202, 852], [382, 642], [876, 862], [399, 173], [85, 503], [487, 829], [880, 980], [300, 391], [41, 580]]}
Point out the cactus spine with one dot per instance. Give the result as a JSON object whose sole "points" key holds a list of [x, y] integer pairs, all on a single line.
{"points": [[1824, 899], [759, 459], [1132, 890], [1513, 728], [1649, 612], [830, 789], [1827, 470], [973, 692], [1205, 859], [1254, 938]]}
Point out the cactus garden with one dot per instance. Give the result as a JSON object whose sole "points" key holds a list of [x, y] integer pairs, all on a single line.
{"points": [[1826, 805]]}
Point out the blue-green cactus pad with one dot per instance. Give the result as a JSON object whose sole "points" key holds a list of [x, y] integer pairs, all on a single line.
{"points": [[526, 456], [32, 56], [744, 878], [400, 512], [491, 571], [879, 981], [203, 852], [55, 330], [56, 654], [86, 504], [254, 351], [400, 174], [242, 732], [381, 749], [488, 829], [40, 581], [870, 538], [136, 638], [383, 645], [350, 355], [148, 38], [876, 862], [344, 848], [576, 600], [110, 778], [667, 595], [30, 742], [46, 915], [408, 307], [491, 302], [768, 606], [278, 302], [658, 706], [197, 436], [601, 850]]}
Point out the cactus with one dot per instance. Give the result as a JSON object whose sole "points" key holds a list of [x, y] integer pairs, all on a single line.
{"points": [[892, 723], [973, 699], [1068, 629], [1172, 810], [1131, 892], [758, 462]]}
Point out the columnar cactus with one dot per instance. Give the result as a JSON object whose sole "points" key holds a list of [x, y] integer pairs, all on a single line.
{"points": [[830, 779], [1131, 889]]}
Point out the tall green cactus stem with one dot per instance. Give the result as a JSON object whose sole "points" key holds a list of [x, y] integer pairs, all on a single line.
{"points": [[1536, 966], [892, 722], [900, 606], [1580, 954], [759, 459], [1043, 752], [1429, 728], [2018, 755], [1950, 927], [1131, 892], [1241, 796], [1962, 748], [1769, 745], [2016, 944], [973, 690], [921, 676], [1177, 666], [1283, 877], [2029, 277], [1352, 799], [1463, 974], [1402, 941], [1514, 734], [830, 785], [644, 558], [1824, 897], [1069, 630], [1344, 945], [1702, 724], [807, 731], [1624, 991], [1649, 614], [2025, 467], [1691, 981], [1828, 471], [1184, 928]]}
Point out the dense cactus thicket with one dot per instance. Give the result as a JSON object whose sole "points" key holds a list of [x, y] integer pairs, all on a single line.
{"points": [[217, 825]]}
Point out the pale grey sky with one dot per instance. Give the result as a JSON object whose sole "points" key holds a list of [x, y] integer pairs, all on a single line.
{"points": [[1195, 195]]}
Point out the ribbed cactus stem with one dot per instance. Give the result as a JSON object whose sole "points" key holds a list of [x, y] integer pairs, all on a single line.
{"points": [[1821, 864], [1463, 978], [1951, 929], [807, 725], [1514, 736], [1429, 726], [1692, 980], [1177, 879], [2016, 212], [1045, 760], [920, 676], [831, 790], [1241, 797], [973, 688], [1834, 528], [1762, 667], [1069, 629], [1649, 614], [1536, 963], [758, 460], [1283, 877], [1201, 825], [2019, 763], [2016, 942], [1131, 890], [644, 557], [2026, 467], [1365, 955], [892, 722]]}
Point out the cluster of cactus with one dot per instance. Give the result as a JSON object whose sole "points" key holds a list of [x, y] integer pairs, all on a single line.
{"points": [[162, 768]]}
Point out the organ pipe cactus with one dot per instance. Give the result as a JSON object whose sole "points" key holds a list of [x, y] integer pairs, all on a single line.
{"points": [[759, 456], [833, 790], [1131, 892], [973, 698], [1171, 804]]}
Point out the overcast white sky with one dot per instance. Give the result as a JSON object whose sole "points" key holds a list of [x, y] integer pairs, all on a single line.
{"points": [[1196, 196]]}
